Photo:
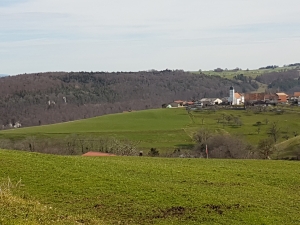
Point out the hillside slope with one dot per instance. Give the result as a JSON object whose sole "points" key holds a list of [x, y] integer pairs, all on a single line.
{"points": [[164, 129], [45, 98], [156, 128], [274, 79]]}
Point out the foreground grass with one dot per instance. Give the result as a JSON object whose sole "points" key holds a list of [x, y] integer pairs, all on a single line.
{"points": [[21, 210], [138, 190]]}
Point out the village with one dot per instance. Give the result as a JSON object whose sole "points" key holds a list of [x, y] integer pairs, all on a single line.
{"points": [[240, 99]]}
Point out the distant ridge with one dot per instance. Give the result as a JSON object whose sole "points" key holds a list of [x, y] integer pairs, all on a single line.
{"points": [[3, 75], [53, 97]]}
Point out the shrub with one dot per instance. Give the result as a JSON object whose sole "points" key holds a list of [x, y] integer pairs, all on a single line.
{"points": [[222, 146], [153, 152]]}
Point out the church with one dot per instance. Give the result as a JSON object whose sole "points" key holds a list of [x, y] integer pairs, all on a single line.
{"points": [[235, 98]]}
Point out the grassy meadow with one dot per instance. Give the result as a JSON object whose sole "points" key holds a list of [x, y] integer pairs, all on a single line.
{"points": [[140, 190], [251, 73], [168, 129], [230, 74], [158, 128]]}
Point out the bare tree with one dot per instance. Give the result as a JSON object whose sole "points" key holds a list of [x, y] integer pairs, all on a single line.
{"points": [[228, 146], [266, 147], [222, 145], [202, 135], [274, 131]]}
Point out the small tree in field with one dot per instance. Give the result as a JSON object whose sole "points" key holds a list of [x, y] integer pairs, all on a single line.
{"points": [[202, 135], [274, 131], [258, 128], [266, 147], [223, 146], [266, 121], [153, 152]]}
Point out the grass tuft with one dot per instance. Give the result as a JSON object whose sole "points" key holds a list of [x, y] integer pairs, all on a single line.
{"points": [[20, 210]]}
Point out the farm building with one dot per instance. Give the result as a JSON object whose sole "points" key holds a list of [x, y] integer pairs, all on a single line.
{"points": [[210, 101], [172, 105], [179, 103], [176, 104], [296, 94], [282, 97], [256, 97]]}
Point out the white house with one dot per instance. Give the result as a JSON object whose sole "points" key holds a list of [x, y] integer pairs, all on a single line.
{"points": [[211, 101], [17, 124], [239, 98]]}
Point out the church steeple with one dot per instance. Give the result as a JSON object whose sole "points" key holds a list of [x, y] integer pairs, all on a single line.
{"points": [[231, 99]]}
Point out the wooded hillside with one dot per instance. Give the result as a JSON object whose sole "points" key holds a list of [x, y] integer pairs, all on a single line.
{"points": [[286, 81], [44, 98]]}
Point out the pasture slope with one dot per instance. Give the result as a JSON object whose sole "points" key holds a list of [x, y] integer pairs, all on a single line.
{"points": [[250, 73], [141, 190], [168, 129], [158, 128]]}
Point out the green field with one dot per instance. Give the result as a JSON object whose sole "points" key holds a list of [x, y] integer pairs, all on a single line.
{"points": [[251, 73], [168, 129], [158, 128], [230, 74], [141, 190]]}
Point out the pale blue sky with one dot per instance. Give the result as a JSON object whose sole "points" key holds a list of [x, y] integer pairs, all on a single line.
{"points": [[132, 35]]}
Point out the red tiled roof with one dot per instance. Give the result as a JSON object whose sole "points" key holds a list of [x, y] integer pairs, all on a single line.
{"points": [[178, 101], [296, 94], [237, 95], [97, 154], [282, 94]]}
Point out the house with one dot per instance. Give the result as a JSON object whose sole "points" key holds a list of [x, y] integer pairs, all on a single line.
{"points": [[259, 97], [198, 104], [211, 101], [296, 98], [239, 99], [17, 124], [172, 105], [296, 94], [271, 98], [175, 104], [282, 97], [254, 97], [188, 103], [179, 103]]}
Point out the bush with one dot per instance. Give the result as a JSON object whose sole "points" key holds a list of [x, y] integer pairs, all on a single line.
{"points": [[225, 146], [153, 152], [72, 145]]}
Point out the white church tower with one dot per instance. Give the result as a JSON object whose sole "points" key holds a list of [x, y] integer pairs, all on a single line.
{"points": [[231, 98]]}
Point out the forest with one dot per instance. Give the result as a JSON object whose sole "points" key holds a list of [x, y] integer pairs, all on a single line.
{"points": [[53, 97]]}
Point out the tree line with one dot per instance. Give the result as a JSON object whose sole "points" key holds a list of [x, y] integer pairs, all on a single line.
{"points": [[52, 97]]}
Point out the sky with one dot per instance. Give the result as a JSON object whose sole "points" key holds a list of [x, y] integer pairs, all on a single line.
{"points": [[135, 35]]}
